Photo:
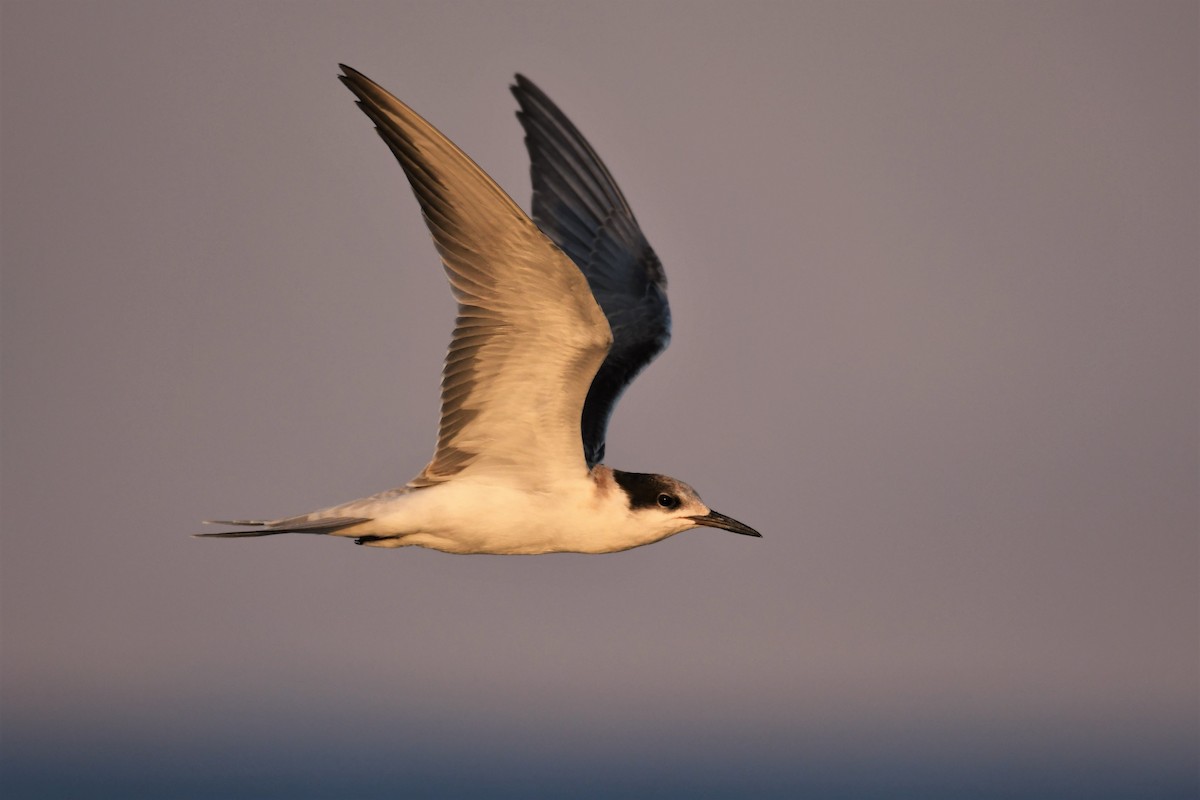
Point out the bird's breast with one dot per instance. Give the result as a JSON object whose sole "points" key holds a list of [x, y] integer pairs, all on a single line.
{"points": [[465, 516]]}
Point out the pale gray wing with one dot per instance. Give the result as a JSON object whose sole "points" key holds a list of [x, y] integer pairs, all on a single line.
{"points": [[578, 205], [529, 336]]}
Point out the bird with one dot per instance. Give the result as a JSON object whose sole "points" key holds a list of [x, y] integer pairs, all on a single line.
{"points": [[556, 316]]}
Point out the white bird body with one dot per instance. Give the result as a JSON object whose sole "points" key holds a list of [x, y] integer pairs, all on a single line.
{"points": [[549, 333], [577, 514]]}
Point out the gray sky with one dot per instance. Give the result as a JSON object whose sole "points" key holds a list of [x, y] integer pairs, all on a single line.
{"points": [[934, 278]]}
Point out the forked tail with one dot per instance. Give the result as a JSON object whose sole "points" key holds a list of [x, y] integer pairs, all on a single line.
{"points": [[325, 525]]}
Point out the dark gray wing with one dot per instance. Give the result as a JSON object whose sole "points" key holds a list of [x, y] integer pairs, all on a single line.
{"points": [[578, 205]]}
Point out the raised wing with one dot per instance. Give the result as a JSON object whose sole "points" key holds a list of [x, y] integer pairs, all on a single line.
{"points": [[578, 205], [529, 336]]}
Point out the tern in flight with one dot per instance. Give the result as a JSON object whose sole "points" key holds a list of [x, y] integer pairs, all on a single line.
{"points": [[556, 316]]}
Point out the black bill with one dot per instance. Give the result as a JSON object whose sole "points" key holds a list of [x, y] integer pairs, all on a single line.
{"points": [[714, 520]]}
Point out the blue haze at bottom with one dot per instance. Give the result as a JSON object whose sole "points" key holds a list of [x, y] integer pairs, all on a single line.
{"points": [[402, 768]]}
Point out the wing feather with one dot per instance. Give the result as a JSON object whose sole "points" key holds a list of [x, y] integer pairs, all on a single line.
{"points": [[529, 335], [579, 206]]}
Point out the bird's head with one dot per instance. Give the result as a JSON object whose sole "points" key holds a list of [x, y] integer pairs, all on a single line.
{"points": [[670, 506]]}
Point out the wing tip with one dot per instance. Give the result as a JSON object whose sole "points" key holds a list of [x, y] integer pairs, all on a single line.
{"points": [[350, 73], [522, 84]]}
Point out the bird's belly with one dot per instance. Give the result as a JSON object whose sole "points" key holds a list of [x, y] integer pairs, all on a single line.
{"points": [[457, 517]]}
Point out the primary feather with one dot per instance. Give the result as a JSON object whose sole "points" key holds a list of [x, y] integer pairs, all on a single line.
{"points": [[529, 336], [577, 204]]}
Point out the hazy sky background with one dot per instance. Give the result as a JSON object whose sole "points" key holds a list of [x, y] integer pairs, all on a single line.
{"points": [[934, 278]]}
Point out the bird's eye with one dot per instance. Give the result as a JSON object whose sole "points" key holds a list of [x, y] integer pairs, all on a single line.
{"points": [[668, 501]]}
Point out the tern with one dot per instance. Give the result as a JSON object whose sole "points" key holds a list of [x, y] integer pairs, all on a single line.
{"points": [[556, 316]]}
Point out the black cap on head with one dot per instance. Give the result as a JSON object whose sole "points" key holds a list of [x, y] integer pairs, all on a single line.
{"points": [[643, 489]]}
